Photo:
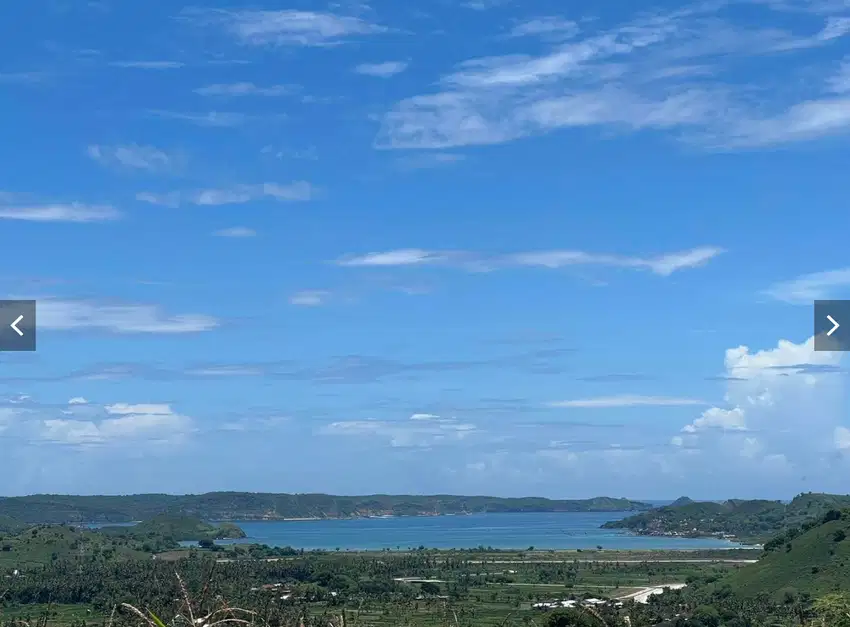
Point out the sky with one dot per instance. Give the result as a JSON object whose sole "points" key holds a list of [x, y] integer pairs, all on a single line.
{"points": [[482, 247]]}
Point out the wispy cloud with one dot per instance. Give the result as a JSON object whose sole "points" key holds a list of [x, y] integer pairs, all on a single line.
{"points": [[298, 191], [638, 75], [21, 77], [547, 27], [627, 401], [116, 423], [212, 118], [420, 430], [381, 70], [663, 265], [236, 231], [810, 287], [429, 160], [72, 212], [246, 89], [79, 315], [286, 27], [131, 156], [484, 5], [310, 298], [148, 65]]}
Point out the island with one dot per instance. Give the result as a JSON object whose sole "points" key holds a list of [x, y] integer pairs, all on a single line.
{"points": [[754, 520], [248, 506]]}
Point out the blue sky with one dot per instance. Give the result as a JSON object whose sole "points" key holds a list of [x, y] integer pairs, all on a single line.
{"points": [[483, 247]]}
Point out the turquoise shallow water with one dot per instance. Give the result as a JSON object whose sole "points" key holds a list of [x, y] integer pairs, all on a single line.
{"points": [[500, 531]]}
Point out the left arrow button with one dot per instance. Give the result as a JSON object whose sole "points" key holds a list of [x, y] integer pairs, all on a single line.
{"points": [[17, 325], [15, 328]]}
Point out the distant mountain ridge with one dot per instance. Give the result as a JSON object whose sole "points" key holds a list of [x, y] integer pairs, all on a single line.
{"points": [[227, 506], [755, 519]]}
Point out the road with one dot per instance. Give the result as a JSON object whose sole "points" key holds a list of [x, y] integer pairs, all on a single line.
{"points": [[642, 595]]}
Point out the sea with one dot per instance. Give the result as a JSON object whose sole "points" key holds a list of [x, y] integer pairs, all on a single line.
{"points": [[574, 530]]}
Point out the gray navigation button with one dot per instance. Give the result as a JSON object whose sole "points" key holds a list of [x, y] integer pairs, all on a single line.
{"points": [[832, 325], [17, 325]]}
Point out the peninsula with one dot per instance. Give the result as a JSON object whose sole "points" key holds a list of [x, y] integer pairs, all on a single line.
{"points": [[230, 506]]}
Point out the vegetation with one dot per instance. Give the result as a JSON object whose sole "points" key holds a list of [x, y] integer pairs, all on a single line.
{"points": [[813, 560], [117, 577], [748, 520], [10, 525], [229, 506], [179, 529]]}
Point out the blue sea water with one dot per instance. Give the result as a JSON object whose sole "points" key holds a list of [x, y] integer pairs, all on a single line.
{"points": [[580, 530]]}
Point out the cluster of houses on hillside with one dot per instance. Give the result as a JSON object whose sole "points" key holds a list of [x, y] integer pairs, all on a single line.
{"points": [[551, 605]]}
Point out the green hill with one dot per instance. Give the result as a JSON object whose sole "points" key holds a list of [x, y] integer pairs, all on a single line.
{"points": [[50, 508], [178, 528], [754, 520], [10, 525], [815, 561], [44, 544]]}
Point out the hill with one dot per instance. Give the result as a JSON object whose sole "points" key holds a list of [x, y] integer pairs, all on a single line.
{"points": [[815, 560], [752, 520], [45, 544], [228, 506], [10, 525], [178, 528]]}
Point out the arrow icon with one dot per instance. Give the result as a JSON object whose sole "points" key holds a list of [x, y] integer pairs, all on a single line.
{"points": [[835, 325], [14, 326]]}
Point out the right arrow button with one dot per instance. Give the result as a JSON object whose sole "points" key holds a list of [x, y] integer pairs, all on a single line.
{"points": [[835, 325], [832, 325]]}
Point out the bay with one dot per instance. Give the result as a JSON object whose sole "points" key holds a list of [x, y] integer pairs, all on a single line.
{"points": [[574, 530]]}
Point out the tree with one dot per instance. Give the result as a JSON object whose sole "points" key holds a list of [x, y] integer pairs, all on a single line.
{"points": [[572, 618], [705, 616], [833, 610], [430, 588]]}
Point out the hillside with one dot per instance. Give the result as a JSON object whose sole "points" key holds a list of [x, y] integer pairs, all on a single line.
{"points": [[753, 520], [224, 506], [10, 525], [178, 528], [42, 544], [815, 561]]}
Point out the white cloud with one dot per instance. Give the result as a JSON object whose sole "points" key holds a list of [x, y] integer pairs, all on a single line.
{"points": [[484, 5], [310, 298], [789, 396], [219, 119], [148, 65], [71, 315], [627, 400], [131, 156], [134, 422], [839, 83], [297, 191], [420, 430], [810, 287], [717, 418], [381, 70], [547, 27], [245, 89], [289, 27], [429, 160], [236, 231], [629, 78], [663, 265], [78, 400], [403, 257], [73, 212], [842, 438]]}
